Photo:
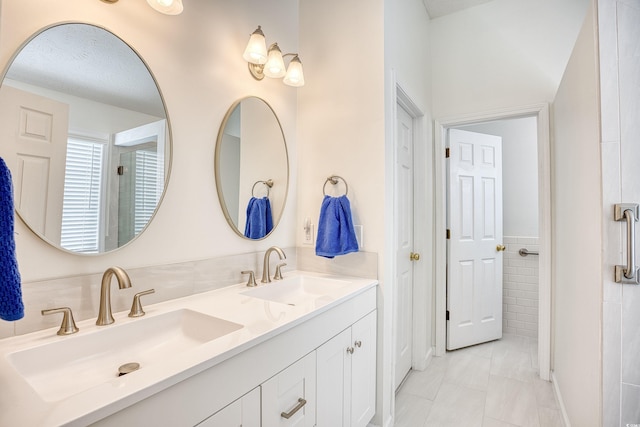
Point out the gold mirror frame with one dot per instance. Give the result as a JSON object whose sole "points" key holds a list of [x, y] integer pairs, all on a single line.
{"points": [[269, 186], [168, 136]]}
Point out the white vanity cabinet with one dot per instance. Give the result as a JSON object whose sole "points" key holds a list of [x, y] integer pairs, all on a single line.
{"points": [[346, 370], [256, 385], [244, 412]]}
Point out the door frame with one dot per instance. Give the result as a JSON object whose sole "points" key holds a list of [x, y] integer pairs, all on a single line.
{"points": [[422, 192], [541, 112]]}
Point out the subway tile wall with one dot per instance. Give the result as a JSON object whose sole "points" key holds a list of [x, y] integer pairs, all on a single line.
{"points": [[520, 287]]}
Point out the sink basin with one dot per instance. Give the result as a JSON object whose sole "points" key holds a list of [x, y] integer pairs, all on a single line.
{"points": [[297, 290], [74, 364]]}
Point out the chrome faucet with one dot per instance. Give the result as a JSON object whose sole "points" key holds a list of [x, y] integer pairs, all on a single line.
{"points": [[105, 317], [266, 277]]}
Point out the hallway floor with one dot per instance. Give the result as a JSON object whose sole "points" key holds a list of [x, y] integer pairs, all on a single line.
{"points": [[488, 385]]}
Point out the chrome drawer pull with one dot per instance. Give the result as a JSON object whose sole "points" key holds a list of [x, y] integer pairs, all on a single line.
{"points": [[287, 415]]}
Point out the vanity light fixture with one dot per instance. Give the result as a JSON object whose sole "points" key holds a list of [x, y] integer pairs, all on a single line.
{"points": [[270, 63], [168, 7]]}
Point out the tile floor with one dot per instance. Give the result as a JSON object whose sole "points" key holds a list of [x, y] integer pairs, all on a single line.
{"points": [[488, 385]]}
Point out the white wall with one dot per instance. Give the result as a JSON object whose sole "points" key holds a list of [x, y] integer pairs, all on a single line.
{"points": [[341, 124], [345, 119], [501, 54], [519, 173], [577, 232], [196, 58], [619, 39], [88, 116], [407, 66]]}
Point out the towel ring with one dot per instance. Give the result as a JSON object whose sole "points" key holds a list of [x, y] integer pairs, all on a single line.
{"points": [[268, 183], [333, 179]]}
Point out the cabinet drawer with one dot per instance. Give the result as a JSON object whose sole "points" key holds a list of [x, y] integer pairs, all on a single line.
{"points": [[289, 398]]}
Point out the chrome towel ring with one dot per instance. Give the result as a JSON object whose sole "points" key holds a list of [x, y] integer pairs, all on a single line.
{"points": [[268, 184], [333, 179]]}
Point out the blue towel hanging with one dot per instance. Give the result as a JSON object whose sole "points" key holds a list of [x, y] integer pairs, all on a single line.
{"points": [[336, 235], [11, 306], [259, 219]]}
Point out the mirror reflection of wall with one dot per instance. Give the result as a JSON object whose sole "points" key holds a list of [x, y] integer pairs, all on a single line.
{"points": [[230, 168], [251, 150], [74, 101]]}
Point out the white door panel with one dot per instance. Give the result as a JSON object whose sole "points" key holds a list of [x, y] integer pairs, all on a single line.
{"points": [[33, 130], [404, 245], [474, 299]]}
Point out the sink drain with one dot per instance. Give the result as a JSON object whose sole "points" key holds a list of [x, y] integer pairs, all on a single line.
{"points": [[127, 368]]}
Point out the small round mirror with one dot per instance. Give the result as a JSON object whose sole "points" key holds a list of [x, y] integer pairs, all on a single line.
{"points": [[252, 168], [85, 134]]}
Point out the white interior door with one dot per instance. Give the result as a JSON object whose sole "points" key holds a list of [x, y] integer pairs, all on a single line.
{"points": [[33, 131], [474, 291], [404, 244]]}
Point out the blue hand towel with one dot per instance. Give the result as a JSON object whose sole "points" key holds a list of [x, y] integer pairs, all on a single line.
{"points": [[11, 306], [336, 235], [259, 219]]}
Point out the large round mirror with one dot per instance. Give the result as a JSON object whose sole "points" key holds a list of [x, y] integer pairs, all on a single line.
{"points": [[252, 168], [85, 133]]}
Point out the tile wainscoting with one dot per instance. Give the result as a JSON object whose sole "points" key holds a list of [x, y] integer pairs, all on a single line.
{"points": [[520, 287]]}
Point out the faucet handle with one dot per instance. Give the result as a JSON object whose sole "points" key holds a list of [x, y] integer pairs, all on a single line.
{"points": [[278, 275], [136, 307], [251, 282], [68, 325]]}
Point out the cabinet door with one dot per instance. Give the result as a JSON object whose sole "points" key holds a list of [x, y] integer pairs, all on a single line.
{"points": [[244, 412], [334, 370], [286, 393], [363, 370]]}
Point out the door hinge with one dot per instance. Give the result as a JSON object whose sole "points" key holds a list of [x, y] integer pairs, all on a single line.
{"points": [[120, 170], [447, 314], [448, 234], [447, 152]]}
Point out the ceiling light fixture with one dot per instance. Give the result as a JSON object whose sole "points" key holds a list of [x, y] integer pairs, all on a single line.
{"points": [[168, 7], [270, 63]]}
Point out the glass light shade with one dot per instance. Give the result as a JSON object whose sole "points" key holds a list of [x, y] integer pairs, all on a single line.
{"points": [[168, 7], [294, 76], [256, 51], [275, 64]]}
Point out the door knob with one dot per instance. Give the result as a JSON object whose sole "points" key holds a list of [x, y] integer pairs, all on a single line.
{"points": [[501, 248], [414, 256]]}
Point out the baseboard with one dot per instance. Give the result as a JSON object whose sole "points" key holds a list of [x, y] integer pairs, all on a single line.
{"points": [[430, 354], [556, 391], [389, 423], [423, 361]]}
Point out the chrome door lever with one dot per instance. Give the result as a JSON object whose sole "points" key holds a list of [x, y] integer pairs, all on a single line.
{"points": [[628, 212]]}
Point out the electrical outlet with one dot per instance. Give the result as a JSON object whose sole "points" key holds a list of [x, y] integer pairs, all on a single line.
{"points": [[308, 235]]}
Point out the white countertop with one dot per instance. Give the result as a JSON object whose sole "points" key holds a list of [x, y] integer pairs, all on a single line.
{"points": [[21, 405]]}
